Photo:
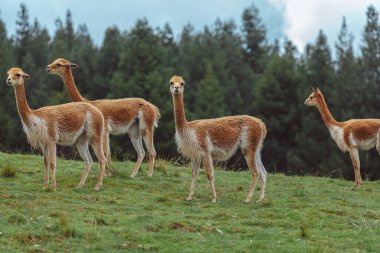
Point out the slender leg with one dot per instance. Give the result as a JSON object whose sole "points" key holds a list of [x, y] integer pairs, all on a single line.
{"points": [[107, 152], [45, 152], [82, 146], [52, 159], [195, 168], [250, 158], [136, 139], [263, 175], [354, 154], [209, 168], [98, 150], [148, 139]]}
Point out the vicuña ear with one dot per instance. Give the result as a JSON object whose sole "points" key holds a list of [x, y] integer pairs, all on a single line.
{"points": [[26, 76], [73, 65], [312, 88], [318, 90]]}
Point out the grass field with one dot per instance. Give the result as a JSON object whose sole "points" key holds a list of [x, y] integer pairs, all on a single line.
{"points": [[299, 214]]}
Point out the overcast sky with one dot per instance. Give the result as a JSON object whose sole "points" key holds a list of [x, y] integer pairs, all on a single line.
{"points": [[298, 20]]}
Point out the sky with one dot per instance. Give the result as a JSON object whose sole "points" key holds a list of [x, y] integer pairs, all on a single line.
{"points": [[297, 20]]}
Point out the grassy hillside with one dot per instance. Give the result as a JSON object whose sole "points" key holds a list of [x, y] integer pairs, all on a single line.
{"points": [[300, 214]]}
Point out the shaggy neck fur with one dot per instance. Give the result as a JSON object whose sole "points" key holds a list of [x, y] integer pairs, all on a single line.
{"points": [[179, 112], [325, 113], [68, 79], [22, 105]]}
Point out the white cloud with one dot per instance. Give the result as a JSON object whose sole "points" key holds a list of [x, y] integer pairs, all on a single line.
{"points": [[304, 18]]}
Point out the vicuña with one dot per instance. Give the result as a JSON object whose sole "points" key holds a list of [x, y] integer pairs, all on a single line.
{"points": [[134, 116], [65, 124], [203, 141], [350, 135]]}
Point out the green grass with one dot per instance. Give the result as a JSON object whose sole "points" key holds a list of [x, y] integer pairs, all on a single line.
{"points": [[299, 214]]}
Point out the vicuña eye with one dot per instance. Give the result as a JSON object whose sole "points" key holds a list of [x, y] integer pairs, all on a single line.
{"points": [[182, 84], [18, 75], [59, 65], [171, 83]]}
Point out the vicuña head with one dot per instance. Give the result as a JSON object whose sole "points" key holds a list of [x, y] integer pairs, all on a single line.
{"points": [[315, 97], [59, 66], [15, 76], [177, 85]]}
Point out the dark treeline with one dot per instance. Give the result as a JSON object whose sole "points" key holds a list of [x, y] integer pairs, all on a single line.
{"points": [[228, 70]]}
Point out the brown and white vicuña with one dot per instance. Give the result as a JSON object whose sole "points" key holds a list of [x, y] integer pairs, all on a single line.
{"points": [[134, 116], [203, 141], [351, 135], [67, 124]]}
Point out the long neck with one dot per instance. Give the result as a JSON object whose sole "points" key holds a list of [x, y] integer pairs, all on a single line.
{"points": [[325, 113], [179, 112], [22, 105], [68, 79]]}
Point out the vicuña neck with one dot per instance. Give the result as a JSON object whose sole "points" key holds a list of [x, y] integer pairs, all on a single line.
{"points": [[179, 112], [325, 113], [68, 79], [22, 105]]}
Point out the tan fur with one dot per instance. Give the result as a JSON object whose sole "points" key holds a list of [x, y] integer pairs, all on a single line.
{"points": [[134, 116], [351, 135], [65, 124], [203, 141]]}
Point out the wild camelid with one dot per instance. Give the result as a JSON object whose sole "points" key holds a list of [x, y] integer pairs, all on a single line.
{"points": [[208, 139], [66, 124], [134, 116], [350, 135]]}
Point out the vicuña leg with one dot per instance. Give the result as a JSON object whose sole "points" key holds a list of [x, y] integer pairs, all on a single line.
{"points": [[98, 150], [250, 157], [148, 140], [107, 152], [53, 162], [209, 168], [263, 174], [45, 152], [195, 168], [354, 154], [82, 146], [136, 139]]}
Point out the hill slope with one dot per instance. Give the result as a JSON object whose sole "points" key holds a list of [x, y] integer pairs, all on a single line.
{"points": [[299, 214]]}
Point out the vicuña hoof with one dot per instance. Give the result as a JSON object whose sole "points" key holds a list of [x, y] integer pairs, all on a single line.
{"points": [[213, 201], [246, 201], [107, 173], [97, 187], [189, 198]]}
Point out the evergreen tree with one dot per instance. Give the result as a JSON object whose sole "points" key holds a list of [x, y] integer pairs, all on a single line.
{"points": [[22, 37], [277, 102], [254, 33], [209, 96], [107, 61], [8, 120], [348, 84], [370, 70]]}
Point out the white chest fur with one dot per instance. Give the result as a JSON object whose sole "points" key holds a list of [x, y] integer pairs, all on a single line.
{"points": [[36, 131], [188, 144], [337, 135]]}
